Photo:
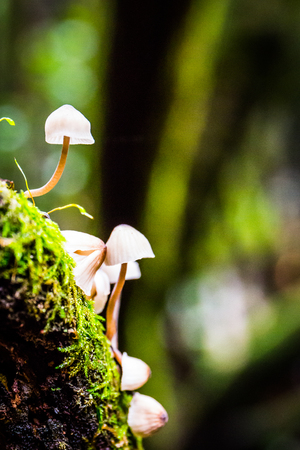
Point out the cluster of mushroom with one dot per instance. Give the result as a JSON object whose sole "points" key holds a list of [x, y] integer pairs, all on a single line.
{"points": [[100, 265], [96, 267]]}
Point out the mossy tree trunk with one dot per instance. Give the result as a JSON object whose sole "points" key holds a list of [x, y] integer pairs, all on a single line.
{"points": [[59, 385]]}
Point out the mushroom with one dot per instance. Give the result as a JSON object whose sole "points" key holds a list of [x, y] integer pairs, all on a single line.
{"points": [[124, 245], [127, 244], [66, 126], [88, 252], [146, 415], [135, 373]]}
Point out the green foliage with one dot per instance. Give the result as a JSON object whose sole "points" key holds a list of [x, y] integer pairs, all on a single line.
{"points": [[10, 121], [72, 205]]}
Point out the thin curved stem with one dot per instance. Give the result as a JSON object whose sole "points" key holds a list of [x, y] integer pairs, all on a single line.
{"points": [[111, 323], [114, 339], [57, 173]]}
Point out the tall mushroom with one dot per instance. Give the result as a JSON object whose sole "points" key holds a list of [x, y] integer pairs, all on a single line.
{"points": [[66, 126], [125, 244]]}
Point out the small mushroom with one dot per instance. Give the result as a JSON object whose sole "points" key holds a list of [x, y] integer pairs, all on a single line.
{"points": [[135, 373], [88, 252], [124, 245], [66, 126], [146, 415]]}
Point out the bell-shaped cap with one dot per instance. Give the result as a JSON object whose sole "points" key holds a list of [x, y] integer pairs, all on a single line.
{"points": [[127, 244], [81, 243], [68, 121], [135, 373], [88, 252], [86, 269], [133, 271], [146, 415], [100, 290]]}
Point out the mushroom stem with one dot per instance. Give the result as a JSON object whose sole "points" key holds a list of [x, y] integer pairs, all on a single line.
{"points": [[57, 174], [114, 339], [111, 322]]}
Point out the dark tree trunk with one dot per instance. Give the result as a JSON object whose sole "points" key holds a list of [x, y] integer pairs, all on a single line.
{"points": [[59, 385], [138, 91]]}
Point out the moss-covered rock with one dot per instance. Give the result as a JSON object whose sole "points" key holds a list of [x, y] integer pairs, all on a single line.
{"points": [[59, 384]]}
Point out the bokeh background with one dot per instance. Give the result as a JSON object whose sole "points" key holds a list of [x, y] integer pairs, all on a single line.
{"points": [[195, 109]]}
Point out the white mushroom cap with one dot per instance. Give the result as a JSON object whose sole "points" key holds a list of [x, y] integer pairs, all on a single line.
{"points": [[68, 121], [85, 270], [127, 244], [88, 252], [135, 373], [146, 415], [133, 271], [77, 241]]}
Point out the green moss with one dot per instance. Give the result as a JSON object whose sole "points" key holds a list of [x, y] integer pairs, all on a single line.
{"points": [[32, 258]]}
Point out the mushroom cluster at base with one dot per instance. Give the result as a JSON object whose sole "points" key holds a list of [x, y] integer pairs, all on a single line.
{"points": [[94, 273]]}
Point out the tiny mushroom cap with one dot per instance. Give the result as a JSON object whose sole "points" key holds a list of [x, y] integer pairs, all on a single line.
{"points": [[127, 244], [133, 271], [146, 415], [88, 252], [68, 121], [81, 243], [135, 373], [86, 269]]}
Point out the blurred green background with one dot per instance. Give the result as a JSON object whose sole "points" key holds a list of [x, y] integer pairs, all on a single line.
{"points": [[195, 109]]}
